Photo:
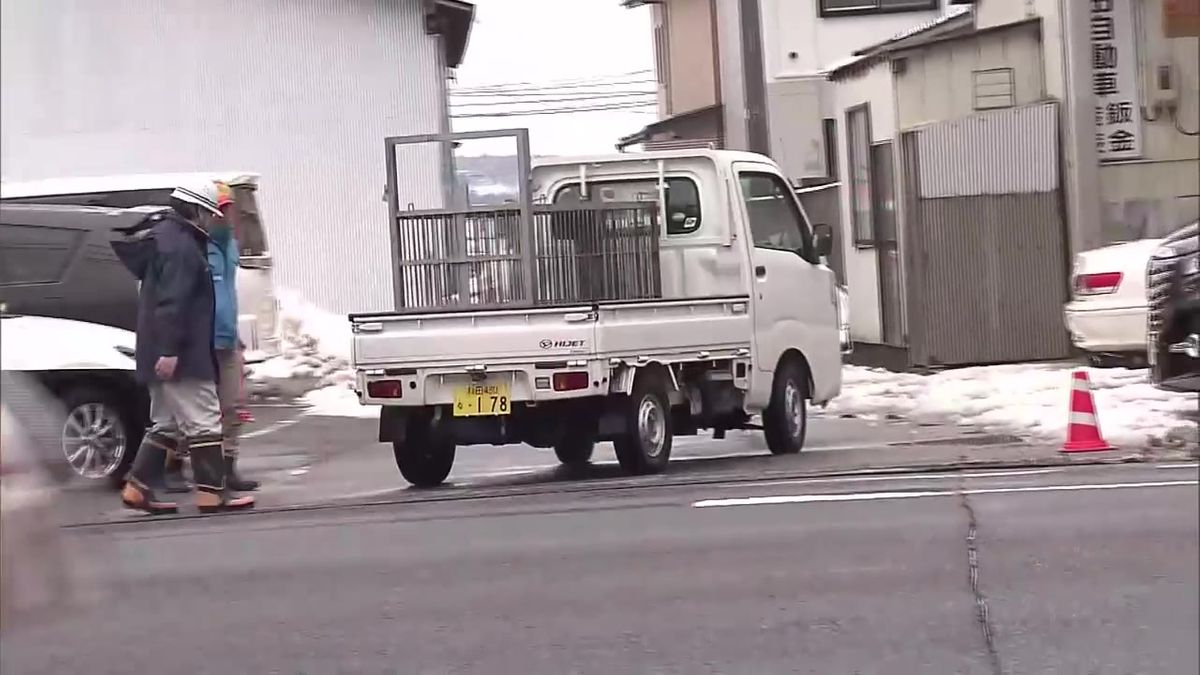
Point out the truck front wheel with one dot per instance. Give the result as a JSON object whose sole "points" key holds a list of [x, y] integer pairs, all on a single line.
{"points": [[785, 421], [646, 445], [422, 461]]}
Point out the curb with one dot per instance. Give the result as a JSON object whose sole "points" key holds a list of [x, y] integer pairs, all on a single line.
{"points": [[446, 495]]}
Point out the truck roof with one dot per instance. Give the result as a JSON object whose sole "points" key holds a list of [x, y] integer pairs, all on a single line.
{"points": [[50, 187], [717, 156]]}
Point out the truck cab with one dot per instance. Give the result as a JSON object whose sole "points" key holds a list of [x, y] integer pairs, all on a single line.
{"points": [[627, 298]]}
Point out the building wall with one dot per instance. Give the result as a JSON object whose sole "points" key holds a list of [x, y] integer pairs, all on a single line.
{"points": [[301, 92], [798, 41], [1161, 191], [874, 87], [691, 74], [938, 82]]}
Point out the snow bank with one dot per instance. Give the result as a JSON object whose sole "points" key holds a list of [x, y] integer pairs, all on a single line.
{"points": [[1026, 399], [314, 351], [338, 400]]}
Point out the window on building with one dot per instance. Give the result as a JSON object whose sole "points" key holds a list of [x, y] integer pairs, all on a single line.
{"points": [[829, 132], [883, 201], [682, 198], [34, 255], [858, 167], [993, 88], [828, 8], [776, 222]]}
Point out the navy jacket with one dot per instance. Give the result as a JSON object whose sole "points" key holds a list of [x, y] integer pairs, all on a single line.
{"points": [[175, 302]]}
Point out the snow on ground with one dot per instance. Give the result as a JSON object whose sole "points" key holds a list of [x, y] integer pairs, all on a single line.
{"points": [[1028, 400]]}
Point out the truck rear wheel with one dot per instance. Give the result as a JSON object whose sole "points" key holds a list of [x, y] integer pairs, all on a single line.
{"points": [[785, 421], [574, 451], [421, 460], [646, 445]]}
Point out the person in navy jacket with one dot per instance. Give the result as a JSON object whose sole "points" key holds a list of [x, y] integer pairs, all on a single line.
{"points": [[175, 355]]}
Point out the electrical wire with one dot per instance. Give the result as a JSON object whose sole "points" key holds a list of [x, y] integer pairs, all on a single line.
{"points": [[599, 98], [568, 82], [639, 108], [556, 92]]}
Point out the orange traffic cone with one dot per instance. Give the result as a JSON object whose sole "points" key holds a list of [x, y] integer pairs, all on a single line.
{"points": [[1083, 426]]}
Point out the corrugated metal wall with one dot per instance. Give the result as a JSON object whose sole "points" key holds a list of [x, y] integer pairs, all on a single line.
{"points": [[301, 92], [986, 240]]}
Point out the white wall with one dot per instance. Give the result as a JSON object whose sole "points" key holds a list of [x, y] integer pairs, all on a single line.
{"points": [[874, 87], [301, 92], [794, 27]]}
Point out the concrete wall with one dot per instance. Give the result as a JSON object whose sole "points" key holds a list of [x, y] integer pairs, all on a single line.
{"points": [[938, 83], [730, 74], [874, 87]]}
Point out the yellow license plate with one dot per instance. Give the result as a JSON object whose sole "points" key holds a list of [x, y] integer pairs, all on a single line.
{"points": [[478, 400]]}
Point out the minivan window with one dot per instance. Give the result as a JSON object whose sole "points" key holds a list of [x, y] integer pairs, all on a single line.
{"points": [[34, 255], [250, 235], [683, 198]]}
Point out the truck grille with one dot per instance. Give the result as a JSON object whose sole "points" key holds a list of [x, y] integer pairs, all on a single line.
{"points": [[1158, 289]]}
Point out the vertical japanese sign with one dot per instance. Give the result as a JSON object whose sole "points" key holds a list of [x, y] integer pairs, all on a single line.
{"points": [[1114, 80]]}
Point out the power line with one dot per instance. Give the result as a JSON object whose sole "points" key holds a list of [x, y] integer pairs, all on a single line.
{"points": [[524, 94], [566, 81], [641, 108], [543, 87], [599, 98]]}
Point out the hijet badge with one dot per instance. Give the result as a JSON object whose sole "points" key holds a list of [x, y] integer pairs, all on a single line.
{"points": [[576, 345]]}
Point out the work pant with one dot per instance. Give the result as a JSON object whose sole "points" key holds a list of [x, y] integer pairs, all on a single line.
{"points": [[183, 414], [228, 394]]}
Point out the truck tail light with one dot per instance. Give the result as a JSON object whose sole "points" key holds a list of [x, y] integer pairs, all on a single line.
{"points": [[385, 389], [1100, 283], [571, 380]]}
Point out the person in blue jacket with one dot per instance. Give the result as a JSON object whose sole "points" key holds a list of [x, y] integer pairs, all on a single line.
{"points": [[222, 266]]}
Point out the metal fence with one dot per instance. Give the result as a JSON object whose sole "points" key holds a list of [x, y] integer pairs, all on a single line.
{"points": [[475, 258]]}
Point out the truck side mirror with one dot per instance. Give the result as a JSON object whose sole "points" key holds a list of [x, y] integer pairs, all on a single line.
{"points": [[822, 240]]}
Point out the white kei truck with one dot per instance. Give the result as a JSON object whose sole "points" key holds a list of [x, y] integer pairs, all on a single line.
{"points": [[626, 298]]}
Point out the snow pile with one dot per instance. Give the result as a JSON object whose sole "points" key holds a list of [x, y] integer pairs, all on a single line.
{"points": [[338, 400], [314, 351], [1026, 399]]}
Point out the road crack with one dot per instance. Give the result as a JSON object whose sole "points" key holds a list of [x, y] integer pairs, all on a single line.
{"points": [[982, 616]]}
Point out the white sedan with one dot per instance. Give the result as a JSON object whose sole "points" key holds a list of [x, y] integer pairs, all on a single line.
{"points": [[1106, 316], [89, 370]]}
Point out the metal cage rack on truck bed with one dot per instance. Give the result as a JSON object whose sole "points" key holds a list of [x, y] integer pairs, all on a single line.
{"points": [[519, 255]]}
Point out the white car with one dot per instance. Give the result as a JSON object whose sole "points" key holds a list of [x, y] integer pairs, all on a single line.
{"points": [[90, 371], [1106, 316]]}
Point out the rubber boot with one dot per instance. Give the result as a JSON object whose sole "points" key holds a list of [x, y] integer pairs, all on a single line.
{"points": [[173, 480], [234, 480], [148, 467], [208, 470]]}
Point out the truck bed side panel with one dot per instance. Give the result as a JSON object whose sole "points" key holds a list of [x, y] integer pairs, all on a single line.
{"points": [[673, 328]]}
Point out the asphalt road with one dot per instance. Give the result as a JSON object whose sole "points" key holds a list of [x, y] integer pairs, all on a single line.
{"points": [[1069, 570]]}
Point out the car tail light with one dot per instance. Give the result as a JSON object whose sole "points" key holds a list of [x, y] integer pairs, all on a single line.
{"points": [[571, 380], [1097, 284], [385, 389]]}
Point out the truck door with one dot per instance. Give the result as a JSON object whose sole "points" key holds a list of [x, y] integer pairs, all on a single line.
{"points": [[795, 305]]}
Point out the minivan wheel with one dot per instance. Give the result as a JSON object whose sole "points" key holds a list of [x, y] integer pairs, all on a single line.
{"points": [[99, 440]]}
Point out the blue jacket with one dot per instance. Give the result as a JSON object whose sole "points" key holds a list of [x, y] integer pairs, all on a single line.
{"points": [[222, 265], [175, 301]]}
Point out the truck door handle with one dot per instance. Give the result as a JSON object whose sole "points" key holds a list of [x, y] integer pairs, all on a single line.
{"points": [[760, 271], [577, 317]]}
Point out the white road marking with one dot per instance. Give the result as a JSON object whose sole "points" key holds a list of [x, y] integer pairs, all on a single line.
{"points": [[270, 429], [908, 476], [870, 496], [1191, 465]]}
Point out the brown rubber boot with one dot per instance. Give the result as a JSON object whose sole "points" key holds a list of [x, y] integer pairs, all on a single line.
{"points": [[208, 470]]}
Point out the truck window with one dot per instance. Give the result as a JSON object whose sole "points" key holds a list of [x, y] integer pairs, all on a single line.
{"points": [[34, 255], [683, 198], [775, 220]]}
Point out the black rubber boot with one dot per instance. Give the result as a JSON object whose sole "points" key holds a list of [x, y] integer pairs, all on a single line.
{"points": [[234, 480], [147, 470], [173, 479], [208, 470]]}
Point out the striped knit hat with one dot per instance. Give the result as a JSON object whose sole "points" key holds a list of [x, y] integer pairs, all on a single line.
{"points": [[202, 194]]}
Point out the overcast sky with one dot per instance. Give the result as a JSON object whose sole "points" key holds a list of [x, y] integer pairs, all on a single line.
{"points": [[548, 44]]}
